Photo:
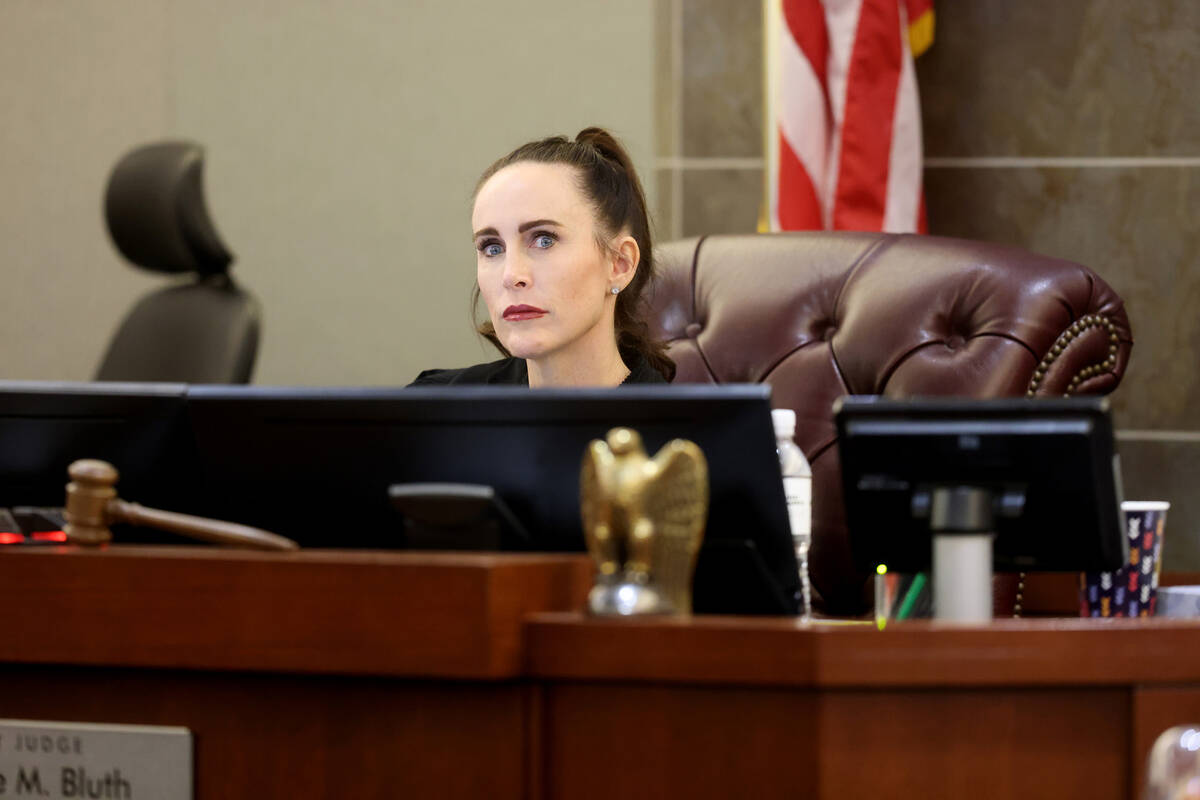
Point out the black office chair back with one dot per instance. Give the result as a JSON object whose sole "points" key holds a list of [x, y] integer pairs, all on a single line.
{"points": [[202, 330]]}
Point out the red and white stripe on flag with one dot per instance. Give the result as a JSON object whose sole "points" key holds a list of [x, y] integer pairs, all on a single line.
{"points": [[843, 117]]}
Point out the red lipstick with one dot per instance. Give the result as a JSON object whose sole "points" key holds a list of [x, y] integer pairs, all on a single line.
{"points": [[522, 312]]}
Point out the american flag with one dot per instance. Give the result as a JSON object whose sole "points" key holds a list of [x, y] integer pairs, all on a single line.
{"points": [[843, 124]]}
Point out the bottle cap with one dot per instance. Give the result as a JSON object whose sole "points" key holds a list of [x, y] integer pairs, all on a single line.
{"points": [[784, 422]]}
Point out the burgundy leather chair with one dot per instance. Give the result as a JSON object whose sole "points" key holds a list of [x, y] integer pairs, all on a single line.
{"points": [[820, 315]]}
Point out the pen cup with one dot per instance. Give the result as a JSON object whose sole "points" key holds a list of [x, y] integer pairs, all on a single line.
{"points": [[1130, 591]]}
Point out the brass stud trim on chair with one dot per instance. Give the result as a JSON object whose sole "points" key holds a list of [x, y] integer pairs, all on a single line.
{"points": [[1077, 329]]}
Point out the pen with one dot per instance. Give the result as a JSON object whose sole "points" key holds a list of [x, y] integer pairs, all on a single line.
{"points": [[910, 597]]}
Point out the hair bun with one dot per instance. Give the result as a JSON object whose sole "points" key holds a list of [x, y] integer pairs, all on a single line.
{"points": [[605, 143], [594, 135]]}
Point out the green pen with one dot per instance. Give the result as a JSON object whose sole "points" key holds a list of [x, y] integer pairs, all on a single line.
{"points": [[910, 597]]}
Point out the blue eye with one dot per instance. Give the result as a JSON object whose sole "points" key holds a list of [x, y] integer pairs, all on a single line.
{"points": [[543, 241], [491, 249]]}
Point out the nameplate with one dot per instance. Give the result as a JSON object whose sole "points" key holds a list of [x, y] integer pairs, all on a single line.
{"points": [[55, 760]]}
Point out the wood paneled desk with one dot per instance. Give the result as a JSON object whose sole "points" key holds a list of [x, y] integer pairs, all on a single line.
{"points": [[339, 674]]}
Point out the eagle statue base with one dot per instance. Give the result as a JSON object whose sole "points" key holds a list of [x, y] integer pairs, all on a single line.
{"points": [[643, 519]]}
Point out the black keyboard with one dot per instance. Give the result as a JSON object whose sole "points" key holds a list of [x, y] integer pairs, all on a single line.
{"points": [[29, 525]]}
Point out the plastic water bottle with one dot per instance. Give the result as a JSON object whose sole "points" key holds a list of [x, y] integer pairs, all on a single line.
{"points": [[797, 489]]}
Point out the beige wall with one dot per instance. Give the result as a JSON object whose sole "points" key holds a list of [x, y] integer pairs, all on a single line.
{"points": [[343, 142]]}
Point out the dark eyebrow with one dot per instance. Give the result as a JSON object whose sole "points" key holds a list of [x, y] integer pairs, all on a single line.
{"points": [[524, 226], [537, 223]]}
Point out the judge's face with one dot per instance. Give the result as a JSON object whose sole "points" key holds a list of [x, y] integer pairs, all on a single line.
{"points": [[541, 271]]}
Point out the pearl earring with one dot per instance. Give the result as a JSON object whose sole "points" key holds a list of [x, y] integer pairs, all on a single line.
{"points": [[615, 290]]}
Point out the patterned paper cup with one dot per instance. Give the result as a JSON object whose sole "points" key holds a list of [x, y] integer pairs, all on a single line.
{"points": [[1131, 590]]}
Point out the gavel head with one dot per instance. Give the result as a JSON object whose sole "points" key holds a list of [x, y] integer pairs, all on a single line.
{"points": [[92, 487]]}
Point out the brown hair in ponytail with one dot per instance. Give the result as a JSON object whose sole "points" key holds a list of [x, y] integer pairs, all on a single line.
{"points": [[607, 178]]}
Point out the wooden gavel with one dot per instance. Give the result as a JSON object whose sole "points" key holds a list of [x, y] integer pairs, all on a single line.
{"points": [[93, 505]]}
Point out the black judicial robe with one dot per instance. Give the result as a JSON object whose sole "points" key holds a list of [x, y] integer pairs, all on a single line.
{"points": [[514, 372]]}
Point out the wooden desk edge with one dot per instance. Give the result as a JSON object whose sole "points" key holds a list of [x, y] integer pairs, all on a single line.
{"points": [[337, 612], [787, 652]]}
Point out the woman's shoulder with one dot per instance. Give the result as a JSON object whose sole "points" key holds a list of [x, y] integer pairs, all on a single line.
{"points": [[641, 371], [505, 371]]}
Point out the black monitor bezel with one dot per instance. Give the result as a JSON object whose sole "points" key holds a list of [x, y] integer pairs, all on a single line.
{"points": [[748, 570], [141, 428], [877, 470]]}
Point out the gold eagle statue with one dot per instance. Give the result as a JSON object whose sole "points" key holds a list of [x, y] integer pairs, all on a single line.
{"points": [[643, 519]]}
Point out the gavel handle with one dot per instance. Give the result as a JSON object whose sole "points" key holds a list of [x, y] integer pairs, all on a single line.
{"points": [[208, 530]]}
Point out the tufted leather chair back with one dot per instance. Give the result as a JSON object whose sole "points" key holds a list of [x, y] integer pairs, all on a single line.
{"points": [[824, 314]]}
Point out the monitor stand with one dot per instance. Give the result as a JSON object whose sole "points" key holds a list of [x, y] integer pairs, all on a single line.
{"points": [[962, 521]]}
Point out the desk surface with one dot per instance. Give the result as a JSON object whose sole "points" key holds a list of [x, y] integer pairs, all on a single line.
{"points": [[504, 615], [463, 675]]}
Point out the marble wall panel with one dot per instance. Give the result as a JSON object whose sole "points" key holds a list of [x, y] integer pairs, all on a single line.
{"points": [[667, 118], [721, 201], [1137, 228], [1062, 78], [665, 220], [1164, 470], [722, 78]]}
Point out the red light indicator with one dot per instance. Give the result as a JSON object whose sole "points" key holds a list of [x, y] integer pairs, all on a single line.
{"points": [[8, 537], [49, 536]]}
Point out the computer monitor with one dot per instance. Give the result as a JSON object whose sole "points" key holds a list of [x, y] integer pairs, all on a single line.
{"points": [[1048, 464], [316, 465], [141, 428]]}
